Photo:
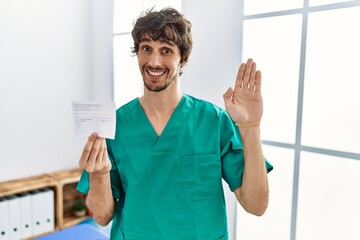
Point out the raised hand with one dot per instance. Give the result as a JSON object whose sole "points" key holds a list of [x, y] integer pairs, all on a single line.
{"points": [[94, 158], [244, 103]]}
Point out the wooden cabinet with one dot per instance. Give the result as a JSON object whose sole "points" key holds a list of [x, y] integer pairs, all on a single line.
{"points": [[66, 196], [63, 183]]}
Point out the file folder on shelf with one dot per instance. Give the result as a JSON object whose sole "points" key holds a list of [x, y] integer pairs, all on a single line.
{"points": [[48, 215], [4, 219], [14, 217], [26, 215], [37, 208]]}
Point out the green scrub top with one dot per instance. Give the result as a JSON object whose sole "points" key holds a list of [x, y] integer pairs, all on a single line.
{"points": [[170, 186]]}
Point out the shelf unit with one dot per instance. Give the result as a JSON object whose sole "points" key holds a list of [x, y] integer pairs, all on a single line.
{"points": [[63, 183], [66, 195]]}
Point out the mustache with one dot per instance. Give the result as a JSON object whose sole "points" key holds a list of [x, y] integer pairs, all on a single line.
{"points": [[158, 68]]}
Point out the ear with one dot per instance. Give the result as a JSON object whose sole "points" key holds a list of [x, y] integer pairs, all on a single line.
{"points": [[183, 63]]}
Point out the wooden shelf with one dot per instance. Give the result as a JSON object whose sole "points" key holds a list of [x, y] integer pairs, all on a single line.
{"points": [[63, 183], [66, 176], [26, 184], [71, 221]]}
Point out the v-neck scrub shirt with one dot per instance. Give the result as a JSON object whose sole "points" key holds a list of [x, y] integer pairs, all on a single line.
{"points": [[169, 187]]}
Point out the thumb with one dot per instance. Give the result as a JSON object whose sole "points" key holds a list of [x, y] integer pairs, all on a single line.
{"points": [[228, 95]]}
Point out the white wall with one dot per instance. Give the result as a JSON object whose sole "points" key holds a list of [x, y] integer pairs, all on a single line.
{"points": [[51, 52], [215, 57], [214, 61]]}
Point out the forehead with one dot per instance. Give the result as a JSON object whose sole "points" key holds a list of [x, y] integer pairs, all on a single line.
{"points": [[147, 38]]}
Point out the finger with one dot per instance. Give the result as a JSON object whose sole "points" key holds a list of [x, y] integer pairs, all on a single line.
{"points": [[104, 154], [240, 75], [247, 73], [87, 150], [95, 150], [99, 158], [258, 82], [252, 80], [106, 161], [102, 159]]}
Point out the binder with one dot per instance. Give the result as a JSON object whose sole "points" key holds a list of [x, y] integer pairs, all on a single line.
{"points": [[4, 219], [48, 209], [14, 217], [37, 208], [26, 215]]}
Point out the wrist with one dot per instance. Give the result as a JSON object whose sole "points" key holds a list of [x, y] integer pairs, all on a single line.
{"points": [[253, 124], [249, 131], [96, 178]]}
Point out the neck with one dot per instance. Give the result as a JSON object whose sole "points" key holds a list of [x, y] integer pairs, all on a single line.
{"points": [[163, 102], [159, 106]]}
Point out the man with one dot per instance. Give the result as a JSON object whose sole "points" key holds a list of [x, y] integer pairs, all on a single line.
{"points": [[161, 177]]}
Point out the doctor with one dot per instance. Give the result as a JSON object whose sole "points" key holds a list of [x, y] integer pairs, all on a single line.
{"points": [[161, 177]]}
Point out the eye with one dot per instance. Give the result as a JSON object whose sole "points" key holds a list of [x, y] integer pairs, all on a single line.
{"points": [[146, 49], [167, 51]]}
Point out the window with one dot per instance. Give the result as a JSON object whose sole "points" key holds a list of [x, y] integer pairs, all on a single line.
{"points": [[127, 78], [309, 53]]}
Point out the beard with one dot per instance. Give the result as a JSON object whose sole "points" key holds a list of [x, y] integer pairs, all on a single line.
{"points": [[158, 88]]}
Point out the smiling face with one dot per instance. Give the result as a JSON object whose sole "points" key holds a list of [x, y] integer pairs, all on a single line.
{"points": [[159, 63]]}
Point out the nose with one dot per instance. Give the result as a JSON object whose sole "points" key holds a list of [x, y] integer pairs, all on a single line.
{"points": [[155, 60]]}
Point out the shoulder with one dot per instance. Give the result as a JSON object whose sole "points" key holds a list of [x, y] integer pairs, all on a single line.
{"points": [[205, 106], [127, 107], [205, 109]]}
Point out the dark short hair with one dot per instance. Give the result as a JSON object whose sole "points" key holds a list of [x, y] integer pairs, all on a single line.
{"points": [[167, 24]]}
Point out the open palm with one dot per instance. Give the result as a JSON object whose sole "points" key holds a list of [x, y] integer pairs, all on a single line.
{"points": [[244, 103]]}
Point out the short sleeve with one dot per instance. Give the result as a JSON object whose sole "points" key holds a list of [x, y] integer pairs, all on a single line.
{"points": [[83, 185], [232, 154]]}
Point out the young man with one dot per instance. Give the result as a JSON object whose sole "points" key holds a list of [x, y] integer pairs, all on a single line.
{"points": [[161, 177]]}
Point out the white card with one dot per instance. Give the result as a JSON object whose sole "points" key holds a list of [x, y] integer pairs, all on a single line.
{"points": [[90, 117]]}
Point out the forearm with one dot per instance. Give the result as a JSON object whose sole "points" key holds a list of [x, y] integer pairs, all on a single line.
{"points": [[100, 200], [253, 195]]}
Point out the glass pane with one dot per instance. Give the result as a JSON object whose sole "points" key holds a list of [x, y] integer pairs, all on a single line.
{"points": [[127, 77], [260, 6], [125, 12], [275, 223], [159, 4], [331, 94], [329, 197], [323, 2], [274, 44]]}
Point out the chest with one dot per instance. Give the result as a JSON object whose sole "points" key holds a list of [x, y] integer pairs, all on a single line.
{"points": [[158, 123], [143, 157]]}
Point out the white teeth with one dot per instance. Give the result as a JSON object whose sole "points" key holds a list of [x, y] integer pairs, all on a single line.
{"points": [[155, 73]]}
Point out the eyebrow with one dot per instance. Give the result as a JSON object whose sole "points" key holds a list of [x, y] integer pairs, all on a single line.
{"points": [[161, 40]]}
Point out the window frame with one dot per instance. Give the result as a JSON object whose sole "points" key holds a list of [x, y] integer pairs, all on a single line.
{"points": [[298, 147]]}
